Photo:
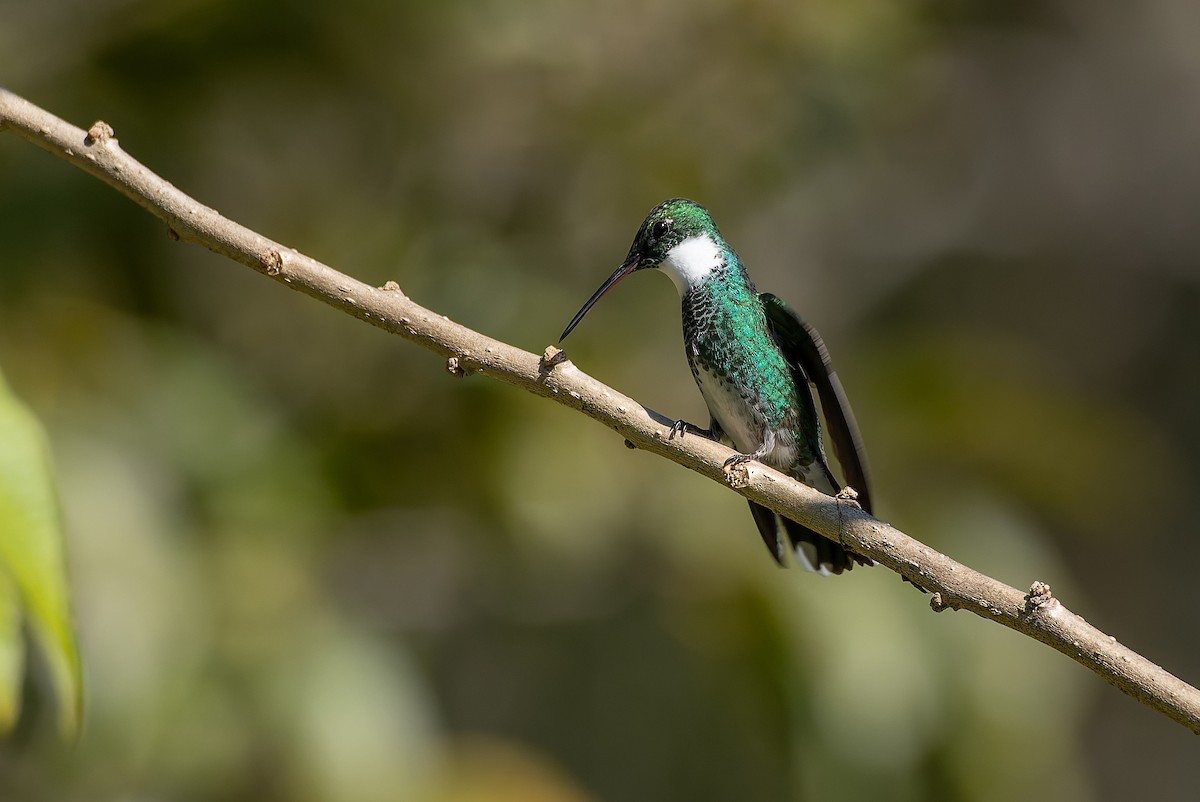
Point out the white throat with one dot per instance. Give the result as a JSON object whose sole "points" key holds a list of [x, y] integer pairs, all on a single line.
{"points": [[691, 262]]}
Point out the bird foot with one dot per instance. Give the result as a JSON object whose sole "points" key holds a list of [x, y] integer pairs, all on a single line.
{"points": [[736, 460], [682, 427]]}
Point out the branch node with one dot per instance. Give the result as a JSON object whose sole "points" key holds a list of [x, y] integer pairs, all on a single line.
{"points": [[1038, 597], [629, 444], [272, 261], [391, 286], [939, 601], [172, 234], [99, 133], [551, 358], [736, 474], [457, 367]]}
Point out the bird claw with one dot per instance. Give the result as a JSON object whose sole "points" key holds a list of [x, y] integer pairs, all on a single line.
{"points": [[737, 459], [682, 427]]}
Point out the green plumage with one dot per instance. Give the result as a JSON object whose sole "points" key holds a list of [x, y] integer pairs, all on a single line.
{"points": [[753, 361], [726, 333]]}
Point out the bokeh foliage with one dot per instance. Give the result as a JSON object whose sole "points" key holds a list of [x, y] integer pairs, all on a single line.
{"points": [[309, 565], [33, 581]]}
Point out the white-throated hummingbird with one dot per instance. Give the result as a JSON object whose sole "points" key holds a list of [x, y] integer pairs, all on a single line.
{"points": [[753, 360]]}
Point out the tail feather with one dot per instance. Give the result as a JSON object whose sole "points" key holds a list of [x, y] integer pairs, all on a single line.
{"points": [[814, 552], [768, 527]]}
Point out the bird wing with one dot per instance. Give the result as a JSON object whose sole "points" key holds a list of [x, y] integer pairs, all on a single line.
{"points": [[805, 351]]}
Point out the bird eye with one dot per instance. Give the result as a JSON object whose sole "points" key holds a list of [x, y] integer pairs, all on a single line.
{"points": [[661, 228]]}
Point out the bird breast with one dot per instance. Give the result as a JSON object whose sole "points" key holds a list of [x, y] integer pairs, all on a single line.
{"points": [[742, 420]]}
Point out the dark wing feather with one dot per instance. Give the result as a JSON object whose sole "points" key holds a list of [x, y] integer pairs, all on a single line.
{"points": [[805, 351]]}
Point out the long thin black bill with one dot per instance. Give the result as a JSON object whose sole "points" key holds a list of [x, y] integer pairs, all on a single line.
{"points": [[620, 273]]}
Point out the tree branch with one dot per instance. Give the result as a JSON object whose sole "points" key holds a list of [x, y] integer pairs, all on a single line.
{"points": [[1037, 613]]}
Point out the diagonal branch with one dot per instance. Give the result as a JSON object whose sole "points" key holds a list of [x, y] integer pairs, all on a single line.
{"points": [[1037, 613]]}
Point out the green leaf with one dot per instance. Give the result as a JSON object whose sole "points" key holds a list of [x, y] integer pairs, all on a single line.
{"points": [[12, 654], [32, 564]]}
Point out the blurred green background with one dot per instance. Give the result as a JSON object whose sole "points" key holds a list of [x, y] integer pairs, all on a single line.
{"points": [[309, 565]]}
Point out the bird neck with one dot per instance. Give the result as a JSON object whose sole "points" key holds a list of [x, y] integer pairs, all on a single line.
{"points": [[695, 260]]}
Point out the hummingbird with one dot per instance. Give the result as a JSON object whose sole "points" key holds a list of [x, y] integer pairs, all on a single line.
{"points": [[754, 361]]}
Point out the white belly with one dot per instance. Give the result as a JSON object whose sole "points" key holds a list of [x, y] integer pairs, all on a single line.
{"points": [[746, 430], [742, 423]]}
